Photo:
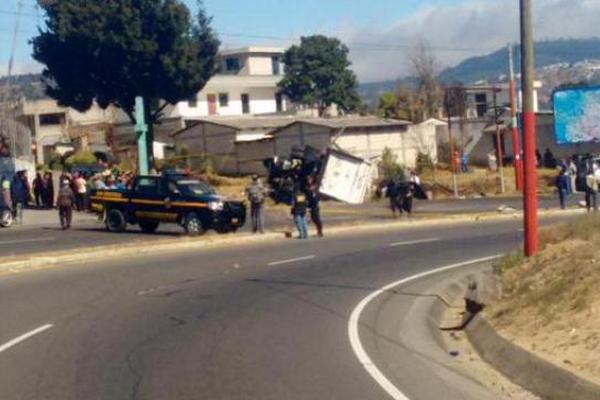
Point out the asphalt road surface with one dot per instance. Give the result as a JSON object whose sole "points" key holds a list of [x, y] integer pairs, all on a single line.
{"points": [[47, 236], [268, 321]]}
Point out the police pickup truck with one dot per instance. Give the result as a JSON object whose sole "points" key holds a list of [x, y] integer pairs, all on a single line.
{"points": [[193, 204]]}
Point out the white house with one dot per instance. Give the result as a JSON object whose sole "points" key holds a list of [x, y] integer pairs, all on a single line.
{"points": [[245, 84]]}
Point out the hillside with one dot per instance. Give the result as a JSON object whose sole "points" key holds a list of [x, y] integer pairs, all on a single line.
{"points": [[558, 62], [494, 66], [28, 85]]}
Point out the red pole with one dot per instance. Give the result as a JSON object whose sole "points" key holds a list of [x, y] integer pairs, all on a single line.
{"points": [[516, 140], [529, 130]]}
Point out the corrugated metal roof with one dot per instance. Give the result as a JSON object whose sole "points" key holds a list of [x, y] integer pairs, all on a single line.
{"points": [[354, 122]]}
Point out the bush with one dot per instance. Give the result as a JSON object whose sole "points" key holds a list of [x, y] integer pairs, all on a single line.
{"points": [[388, 165], [424, 163], [56, 162], [81, 158]]}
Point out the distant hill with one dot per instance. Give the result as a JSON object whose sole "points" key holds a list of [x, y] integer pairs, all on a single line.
{"points": [[494, 66], [568, 54]]}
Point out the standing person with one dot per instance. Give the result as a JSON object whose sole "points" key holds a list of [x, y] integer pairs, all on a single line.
{"points": [[591, 190], [65, 201], [492, 161], [19, 195], [38, 190], [392, 193], [299, 206], [49, 188], [562, 187], [256, 196], [465, 162], [414, 178], [80, 191], [314, 203], [572, 166]]}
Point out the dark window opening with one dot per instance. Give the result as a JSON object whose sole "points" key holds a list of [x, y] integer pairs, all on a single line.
{"points": [[279, 102], [193, 101], [481, 104], [223, 100], [232, 64], [276, 62], [52, 119], [245, 103]]}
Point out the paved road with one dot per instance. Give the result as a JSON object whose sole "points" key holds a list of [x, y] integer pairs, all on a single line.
{"points": [[42, 233], [262, 322]]}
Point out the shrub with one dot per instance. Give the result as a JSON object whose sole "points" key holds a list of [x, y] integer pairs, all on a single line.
{"points": [[81, 158], [389, 166]]}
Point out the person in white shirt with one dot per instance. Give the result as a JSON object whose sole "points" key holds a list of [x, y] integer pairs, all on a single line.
{"points": [[414, 178]]}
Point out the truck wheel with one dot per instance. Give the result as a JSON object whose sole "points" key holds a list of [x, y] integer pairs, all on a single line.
{"points": [[193, 225], [115, 221], [6, 218], [149, 226]]}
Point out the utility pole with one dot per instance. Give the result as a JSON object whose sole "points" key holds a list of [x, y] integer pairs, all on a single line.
{"points": [[499, 141], [447, 104], [142, 130], [516, 140], [529, 129], [6, 97]]}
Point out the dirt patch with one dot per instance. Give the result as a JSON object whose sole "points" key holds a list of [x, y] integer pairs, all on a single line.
{"points": [[551, 303], [482, 182]]}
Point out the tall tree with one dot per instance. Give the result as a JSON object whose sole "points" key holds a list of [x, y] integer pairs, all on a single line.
{"points": [[112, 51], [318, 74], [425, 66]]}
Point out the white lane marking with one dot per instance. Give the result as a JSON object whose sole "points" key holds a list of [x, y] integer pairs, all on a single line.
{"points": [[291, 260], [398, 244], [49, 239], [24, 337], [353, 327]]}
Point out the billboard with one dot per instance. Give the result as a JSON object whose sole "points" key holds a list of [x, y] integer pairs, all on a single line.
{"points": [[577, 115]]}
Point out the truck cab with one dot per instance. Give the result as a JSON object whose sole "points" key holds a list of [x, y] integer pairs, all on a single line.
{"points": [[152, 200]]}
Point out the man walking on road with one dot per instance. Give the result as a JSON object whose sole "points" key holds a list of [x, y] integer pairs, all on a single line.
{"points": [[20, 196], [562, 187], [256, 196], [65, 201]]}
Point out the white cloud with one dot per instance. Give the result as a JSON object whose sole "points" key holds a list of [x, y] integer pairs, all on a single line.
{"points": [[481, 26]]}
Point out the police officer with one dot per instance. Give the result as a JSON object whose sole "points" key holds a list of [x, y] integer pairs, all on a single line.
{"points": [[314, 203], [256, 196]]}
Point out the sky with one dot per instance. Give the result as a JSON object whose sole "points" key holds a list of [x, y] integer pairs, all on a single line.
{"points": [[381, 34]]}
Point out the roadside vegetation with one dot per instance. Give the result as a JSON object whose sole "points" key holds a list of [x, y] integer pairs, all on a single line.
{"points": [[551, 302]]}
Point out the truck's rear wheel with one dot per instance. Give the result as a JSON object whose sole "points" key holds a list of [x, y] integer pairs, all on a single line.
{"points": [[149, 226], [115, 221], [193, 225]]}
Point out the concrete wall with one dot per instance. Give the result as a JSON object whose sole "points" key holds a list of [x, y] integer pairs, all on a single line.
{"points": [[262, 101], [251, 155], [215, 141]]}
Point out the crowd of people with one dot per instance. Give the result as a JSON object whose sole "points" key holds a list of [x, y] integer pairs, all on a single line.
{"points": [[18, 193], [578, 174]]}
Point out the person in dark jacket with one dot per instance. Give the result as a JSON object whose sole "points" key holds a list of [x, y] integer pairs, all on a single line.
{"points": [[48, 190], [66, 200], [562, 187], [299, 207], [392, 192], [314, 203], [20, 194], [38, 190]]}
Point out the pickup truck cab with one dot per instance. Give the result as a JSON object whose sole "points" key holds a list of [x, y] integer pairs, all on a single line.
{"points": [[152, 200]]}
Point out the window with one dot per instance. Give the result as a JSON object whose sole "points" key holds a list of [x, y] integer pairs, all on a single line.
{"points": [[481, 104], [245, 103], [223, 100], [147, 186], [232, 64], [276, 63], [52, 119], [193, 101], [279, 102]]}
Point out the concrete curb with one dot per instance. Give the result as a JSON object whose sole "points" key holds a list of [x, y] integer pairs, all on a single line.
{"points": [[47, 260], [526, 369]]}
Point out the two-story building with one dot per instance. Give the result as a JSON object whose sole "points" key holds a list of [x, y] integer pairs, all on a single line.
{"points": [[245, 84]]}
